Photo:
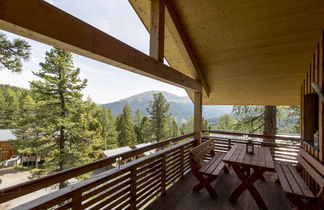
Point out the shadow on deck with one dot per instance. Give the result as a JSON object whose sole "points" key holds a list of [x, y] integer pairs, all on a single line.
{"points": [[181, 196]]}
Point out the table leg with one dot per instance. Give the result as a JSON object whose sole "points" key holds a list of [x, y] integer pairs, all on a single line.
{"points": [[247, 184]]}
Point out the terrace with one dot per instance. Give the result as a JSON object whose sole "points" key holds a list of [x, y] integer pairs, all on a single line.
{"points": [[252, 53]]}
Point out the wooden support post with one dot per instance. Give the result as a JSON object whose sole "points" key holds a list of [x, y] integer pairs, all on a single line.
{"points": [[163, 175], [229, 144], [157, 29], [133, 189], [181, 162], [197, 116], [76, 200]]}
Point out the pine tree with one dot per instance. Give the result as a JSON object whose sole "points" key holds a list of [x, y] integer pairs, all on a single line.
{"points": [[226, 122], [172, 128], [12, 53], [146, 134], [137, 125], [29, 133], [125, 128], [68, 135], [108, 123], [138, 117], [159, 114]]}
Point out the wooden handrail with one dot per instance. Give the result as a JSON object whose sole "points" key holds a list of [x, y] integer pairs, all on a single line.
{"points": [[67, 192], [285, 151], [18, 190], [254, 135]]}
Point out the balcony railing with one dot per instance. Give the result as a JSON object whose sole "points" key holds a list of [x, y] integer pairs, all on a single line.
{"points": [[112, 185], [136, 183], [283, 148]]}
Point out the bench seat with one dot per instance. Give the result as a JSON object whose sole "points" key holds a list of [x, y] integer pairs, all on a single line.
{"points": [[206, 165], [291, 181], [213, 166], [294, 186]]}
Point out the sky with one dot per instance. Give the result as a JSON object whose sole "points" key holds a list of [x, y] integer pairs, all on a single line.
{"points": [[105, 83]]}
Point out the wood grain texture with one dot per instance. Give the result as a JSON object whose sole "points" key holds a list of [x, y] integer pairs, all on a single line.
{"points": [[237, 47], [72, 34]]}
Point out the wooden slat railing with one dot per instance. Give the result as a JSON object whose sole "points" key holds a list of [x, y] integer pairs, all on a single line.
{"points": [[19, 190], [133, 185], [252, 135], [283, 149]]}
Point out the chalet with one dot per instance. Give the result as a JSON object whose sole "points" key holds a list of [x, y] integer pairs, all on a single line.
{"points": [[6, 148], [222, 53]]}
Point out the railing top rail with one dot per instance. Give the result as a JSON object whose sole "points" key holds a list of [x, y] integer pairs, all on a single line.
{"points": [[15, 191], [82, 186], [255, 135]]}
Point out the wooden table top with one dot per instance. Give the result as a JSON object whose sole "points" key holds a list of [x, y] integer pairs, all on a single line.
{"points": [[261, 158]]}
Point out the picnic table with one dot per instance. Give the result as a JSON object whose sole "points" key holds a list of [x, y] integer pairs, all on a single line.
{"points": [[241, 162]]}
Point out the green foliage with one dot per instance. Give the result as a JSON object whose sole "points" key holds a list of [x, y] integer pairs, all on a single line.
{"points": [[29, 133], [125, 128], [10, 98], [249, 118], [288, 119], [108, 123], [188, 127], [59, 123], [172, 128], [12, 53], [144, 131], [226, 122], [159, 114]]}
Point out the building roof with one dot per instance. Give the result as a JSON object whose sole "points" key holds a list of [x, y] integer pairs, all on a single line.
{"points": [[6, 135], [116, 151], [250, 52]]}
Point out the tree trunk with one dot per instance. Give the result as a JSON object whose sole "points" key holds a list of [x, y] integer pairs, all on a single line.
{"points": [[270, 120]]}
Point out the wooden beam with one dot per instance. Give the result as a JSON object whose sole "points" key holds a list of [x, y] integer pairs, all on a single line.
{"points": [[157, 29], [197, 116], [187, 46], [43, 22]]}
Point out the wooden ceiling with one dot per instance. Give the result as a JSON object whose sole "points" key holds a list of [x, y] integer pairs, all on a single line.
{"points": [[252, 52]]}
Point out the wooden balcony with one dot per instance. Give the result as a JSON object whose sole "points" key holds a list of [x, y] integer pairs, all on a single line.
{"points": [[163, 178], [181, 196]]}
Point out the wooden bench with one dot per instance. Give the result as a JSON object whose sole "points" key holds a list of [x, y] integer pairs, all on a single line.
{"points": [[294, 186], [206, 171]]}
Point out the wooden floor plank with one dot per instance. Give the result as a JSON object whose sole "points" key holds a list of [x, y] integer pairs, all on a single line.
{"points": [[180, 196]]}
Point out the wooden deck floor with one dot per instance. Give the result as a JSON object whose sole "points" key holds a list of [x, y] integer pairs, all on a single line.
{"points": [[181, 196]]}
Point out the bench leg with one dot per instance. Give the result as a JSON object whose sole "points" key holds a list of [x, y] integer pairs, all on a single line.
{"points": [[226, 170], [205, 183]]}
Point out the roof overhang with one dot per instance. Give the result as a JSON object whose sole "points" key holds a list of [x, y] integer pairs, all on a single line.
{"points": [[250, 52]]}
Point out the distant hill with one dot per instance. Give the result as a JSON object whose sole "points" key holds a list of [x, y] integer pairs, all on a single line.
{"points": [[181, 107]]}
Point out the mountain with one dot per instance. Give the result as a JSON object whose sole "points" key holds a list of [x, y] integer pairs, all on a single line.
{"points": [[181, 107]]}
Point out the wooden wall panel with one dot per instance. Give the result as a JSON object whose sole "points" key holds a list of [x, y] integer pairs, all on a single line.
{"points": [[314, 74]]}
